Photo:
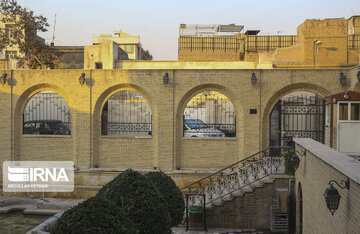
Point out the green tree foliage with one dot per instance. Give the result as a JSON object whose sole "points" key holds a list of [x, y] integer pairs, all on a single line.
{"points": [[145, 54], [289, 169], [20, 31], [141, 200], [95, 215], [171, 193]]}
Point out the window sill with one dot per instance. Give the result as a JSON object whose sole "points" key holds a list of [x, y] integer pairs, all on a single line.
{"points": [[45, 136], [125, 137], [211, 138]]}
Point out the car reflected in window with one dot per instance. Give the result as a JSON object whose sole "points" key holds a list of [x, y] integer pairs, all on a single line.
{"points": [[45, 127]]}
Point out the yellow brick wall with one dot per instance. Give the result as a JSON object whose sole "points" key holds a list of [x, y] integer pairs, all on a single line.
{"points": [[333, 52], [208, 55], [4, 64], [313, 176], [167, 149]]}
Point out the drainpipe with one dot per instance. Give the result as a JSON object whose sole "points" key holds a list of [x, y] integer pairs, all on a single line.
{"points": [[12, 116], [91, 129]]}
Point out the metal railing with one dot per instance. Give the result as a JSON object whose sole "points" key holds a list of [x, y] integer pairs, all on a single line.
{"points": [[255, 43], [353, 41], [210, 43], [238, 175]]}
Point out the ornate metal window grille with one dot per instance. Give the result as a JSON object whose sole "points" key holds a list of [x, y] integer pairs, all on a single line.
{"points": [[209, 114], [126, 114], [297, 116], [47, 113]]}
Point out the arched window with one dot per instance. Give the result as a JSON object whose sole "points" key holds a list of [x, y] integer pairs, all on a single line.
{"points": [[47, 113], [298, 114], [126, 114], [209, 114]]}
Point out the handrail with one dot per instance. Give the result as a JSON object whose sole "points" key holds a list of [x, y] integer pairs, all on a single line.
{"points": [[238, 162]]}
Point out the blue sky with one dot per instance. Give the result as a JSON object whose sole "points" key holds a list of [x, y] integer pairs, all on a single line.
{"points": [[157, 22]]}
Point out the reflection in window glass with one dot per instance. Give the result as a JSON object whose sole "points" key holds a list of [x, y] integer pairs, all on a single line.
{"points": [[343, 111], [209, 114], [47, 113], [355, 111], [126, 114]]}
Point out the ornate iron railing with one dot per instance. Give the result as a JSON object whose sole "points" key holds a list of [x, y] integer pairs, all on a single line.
{"points": [[126, 129], [237, 176]]}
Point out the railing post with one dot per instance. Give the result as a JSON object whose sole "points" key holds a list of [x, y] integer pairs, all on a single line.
{"points": [[187, 212], [205, 212]]}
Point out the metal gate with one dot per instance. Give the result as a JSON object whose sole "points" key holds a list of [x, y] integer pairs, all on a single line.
{"points": [[297, 116]]}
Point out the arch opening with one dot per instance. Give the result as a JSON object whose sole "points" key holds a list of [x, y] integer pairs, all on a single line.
{"points": [[126, 114], [298, 114], [46, 113], [209, 114]]}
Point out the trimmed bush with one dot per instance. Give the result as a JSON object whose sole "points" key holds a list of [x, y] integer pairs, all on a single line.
{"points": [[95, 215], [171, 193], [141, 200]]}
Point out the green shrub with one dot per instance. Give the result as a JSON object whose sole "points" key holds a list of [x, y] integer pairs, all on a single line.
{"points": [[171, 193], [289, 169], [141, 200], [95, 215]]}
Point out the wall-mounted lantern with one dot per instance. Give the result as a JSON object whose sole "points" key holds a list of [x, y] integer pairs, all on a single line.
{"points": [[82, 79], [166, 79], [253, 79], [3, 78], [295, 160], [342, 79], [346, 95], [332, 196], [358, 75]]}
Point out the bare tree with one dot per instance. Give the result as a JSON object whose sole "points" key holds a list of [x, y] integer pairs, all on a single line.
{"points": [[21, 27]]}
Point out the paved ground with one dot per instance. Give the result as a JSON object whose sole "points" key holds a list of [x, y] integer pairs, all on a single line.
{"points": [[182, 230]]}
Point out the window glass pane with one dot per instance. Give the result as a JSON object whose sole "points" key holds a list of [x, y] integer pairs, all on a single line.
{"points": [[209, 114], [129, 48], [47, 113], [343, 111], [355, 111]]}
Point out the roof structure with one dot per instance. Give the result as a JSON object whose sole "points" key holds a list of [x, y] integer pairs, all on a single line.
{"points": [[209, 30]]}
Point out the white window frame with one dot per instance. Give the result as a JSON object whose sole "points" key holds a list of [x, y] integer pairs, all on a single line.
{"points": [[349, 111]]}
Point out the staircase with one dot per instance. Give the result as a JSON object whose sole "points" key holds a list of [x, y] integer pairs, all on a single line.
{"points": [[236, 179]]}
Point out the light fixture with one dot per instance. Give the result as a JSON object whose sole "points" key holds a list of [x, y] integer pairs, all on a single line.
{"points": [[342, 79], [3, 78], [253, 79], [166, 79], [332, 196], [346, 95], [295, 160], [317, 42], [358, 75], [82, 79], [334, 100]]}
